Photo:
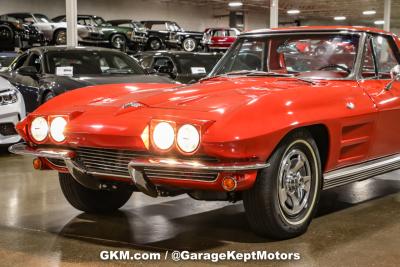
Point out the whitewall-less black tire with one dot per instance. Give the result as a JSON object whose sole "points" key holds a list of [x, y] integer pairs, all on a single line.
{"points": [[283, 201], [93, 201]]}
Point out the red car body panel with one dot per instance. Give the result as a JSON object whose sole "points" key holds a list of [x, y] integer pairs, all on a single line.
{"points": [[219, 42], [241, 118]]}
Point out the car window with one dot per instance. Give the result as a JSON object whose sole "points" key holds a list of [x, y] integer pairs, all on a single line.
{"points": [[19, 62], [197, 64], [386, 59], [146, 62], [126, 25], [158, 27], [22, 18], [92, 62], [368, 67], [34, 61], [219, 33], [42, 18], [84, 21], [232, 33], [322, 55], [162, 62]]}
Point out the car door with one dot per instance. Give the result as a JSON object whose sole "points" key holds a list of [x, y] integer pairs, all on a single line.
{"points": [[383, 57], [29, 86]]}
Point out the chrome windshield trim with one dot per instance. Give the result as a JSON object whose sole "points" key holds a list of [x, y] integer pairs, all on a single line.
{"points": [[186, 164]]}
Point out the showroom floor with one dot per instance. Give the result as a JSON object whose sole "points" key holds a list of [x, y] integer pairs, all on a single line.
{"points": [[357, 225]]}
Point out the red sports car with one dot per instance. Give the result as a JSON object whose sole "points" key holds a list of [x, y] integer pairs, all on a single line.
{"points": [[219, 38], [273, 125]]}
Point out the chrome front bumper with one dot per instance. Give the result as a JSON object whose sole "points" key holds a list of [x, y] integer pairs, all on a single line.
{"points": [[135, 167]]}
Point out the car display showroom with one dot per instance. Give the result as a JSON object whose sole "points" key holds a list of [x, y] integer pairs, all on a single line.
{"points": [[212, 132]]}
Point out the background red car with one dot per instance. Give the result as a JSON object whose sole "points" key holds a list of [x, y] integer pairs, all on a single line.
{"points": [[219, 38]]}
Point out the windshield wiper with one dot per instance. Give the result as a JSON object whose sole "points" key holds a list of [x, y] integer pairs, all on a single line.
{"points": [[248, 73]]}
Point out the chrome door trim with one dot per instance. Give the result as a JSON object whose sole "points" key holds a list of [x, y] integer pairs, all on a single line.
{"points": [[361, 171]]}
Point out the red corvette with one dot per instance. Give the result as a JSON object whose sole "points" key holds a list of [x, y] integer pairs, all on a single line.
{"points": [[219, 38], [273, 125]]}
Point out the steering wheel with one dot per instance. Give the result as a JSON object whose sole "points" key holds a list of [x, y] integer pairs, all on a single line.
{"points": [[335, 66]]}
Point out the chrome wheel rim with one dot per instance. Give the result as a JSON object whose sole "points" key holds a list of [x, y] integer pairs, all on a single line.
{"points": [[61, 38], [155, 45], [189, 45], [294, 184], [118, 42]]}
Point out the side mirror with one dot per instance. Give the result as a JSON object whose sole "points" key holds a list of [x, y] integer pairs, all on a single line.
{"points": [[28, 71], [395, 76]]}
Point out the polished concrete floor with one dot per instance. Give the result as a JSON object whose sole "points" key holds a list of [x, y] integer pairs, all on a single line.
{"points": [[356, 225]]}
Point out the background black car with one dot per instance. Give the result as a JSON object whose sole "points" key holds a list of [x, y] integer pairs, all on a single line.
{"points": [[42, 73], [168, 34], [15, 34], [184, 67]]}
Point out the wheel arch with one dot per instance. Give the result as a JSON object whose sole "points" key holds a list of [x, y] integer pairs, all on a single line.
{"points": [[57, 31], [321, 135]]}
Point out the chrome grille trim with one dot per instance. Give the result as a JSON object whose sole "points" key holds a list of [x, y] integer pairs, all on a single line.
{"points": [[115, 162], [165, 173]]}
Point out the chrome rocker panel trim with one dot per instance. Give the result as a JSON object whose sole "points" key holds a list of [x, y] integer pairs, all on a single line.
{"points": [[361, 171]]}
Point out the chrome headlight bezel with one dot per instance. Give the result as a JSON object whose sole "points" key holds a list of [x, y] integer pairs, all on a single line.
{"points": [[57, 128], [8, 97], [188, 138], [163, 135], [39, 129]]}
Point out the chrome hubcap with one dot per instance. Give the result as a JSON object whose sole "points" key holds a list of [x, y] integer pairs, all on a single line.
{"points": [[118, 42], [189, 45], [294, 183], [155, 45]]}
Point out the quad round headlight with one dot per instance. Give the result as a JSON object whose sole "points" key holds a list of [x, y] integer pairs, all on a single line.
{"points": [[163, 135], [188, 138], [39, 129], [57, 128]]}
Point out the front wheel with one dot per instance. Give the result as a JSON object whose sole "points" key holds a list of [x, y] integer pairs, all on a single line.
{"points": [[93, 201], [284, 198], [118, 41]]}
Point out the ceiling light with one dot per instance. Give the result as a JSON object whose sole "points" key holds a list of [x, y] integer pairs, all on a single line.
{"points": [[379, 22], [293, 11], [339, 18], [369, 12], [235, 4]]}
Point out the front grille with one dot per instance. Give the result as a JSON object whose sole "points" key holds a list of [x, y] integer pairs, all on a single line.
{"points": [[7, 129], [183, 174], [115, 162]]}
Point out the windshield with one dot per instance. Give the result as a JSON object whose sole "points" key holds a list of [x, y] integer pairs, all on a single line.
{"points": [[173, 26], [139, 26], [316, 55], [99, 21], [91, 63], [197, 64], [6, 59], [42, 18]]}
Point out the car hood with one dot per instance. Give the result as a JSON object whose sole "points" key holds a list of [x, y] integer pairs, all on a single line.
{"points": [[218, 94], [215, 96]]}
